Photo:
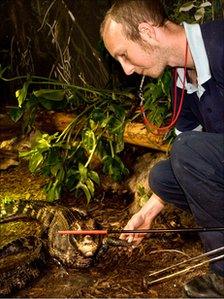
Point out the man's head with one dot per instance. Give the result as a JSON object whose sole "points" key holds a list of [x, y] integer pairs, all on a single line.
{"points": [[131, 13], [132, 30]]}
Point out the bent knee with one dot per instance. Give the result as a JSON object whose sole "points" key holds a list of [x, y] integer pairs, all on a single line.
{"points": [[179, 146], [183, 147]]}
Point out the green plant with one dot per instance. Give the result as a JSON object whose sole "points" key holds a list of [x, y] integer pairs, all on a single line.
{"points": [[200, 9], [196, 10], [158, 99], [96, 130]]}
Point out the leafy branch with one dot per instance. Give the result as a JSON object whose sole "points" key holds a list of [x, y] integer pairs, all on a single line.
{"points": [[96, 130]]}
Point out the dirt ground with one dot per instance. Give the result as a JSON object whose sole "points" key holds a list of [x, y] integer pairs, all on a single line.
{"points": [[119, 273]]}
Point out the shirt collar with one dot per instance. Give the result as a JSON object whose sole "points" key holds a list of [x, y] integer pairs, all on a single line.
{"points": [[197, 48]]}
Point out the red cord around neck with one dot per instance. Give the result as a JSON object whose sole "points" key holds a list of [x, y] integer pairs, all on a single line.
{"points": [[176, 112]]}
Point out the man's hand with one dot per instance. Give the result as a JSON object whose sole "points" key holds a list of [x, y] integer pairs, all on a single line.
{"points": [[143, 219], [138, 221]]}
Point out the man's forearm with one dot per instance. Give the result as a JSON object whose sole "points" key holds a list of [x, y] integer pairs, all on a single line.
{"points": [[152, 207]]}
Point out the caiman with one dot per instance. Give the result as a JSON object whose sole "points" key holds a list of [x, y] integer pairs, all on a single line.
{"points": [[22, 250]]}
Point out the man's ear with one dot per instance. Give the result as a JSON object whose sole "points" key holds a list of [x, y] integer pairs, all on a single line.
{"points": [[147, 32]]}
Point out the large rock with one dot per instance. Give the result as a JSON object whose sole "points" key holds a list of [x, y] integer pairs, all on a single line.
{"points": [[138, 182]]}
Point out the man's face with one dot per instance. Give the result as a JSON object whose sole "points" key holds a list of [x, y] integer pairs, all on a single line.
{"points": [[134, 57]]}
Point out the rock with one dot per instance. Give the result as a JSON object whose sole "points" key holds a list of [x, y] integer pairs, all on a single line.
{"points": [[10, 148], [8, 159], [138, 183]]}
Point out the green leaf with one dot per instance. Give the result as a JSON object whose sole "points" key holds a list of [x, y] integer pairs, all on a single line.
{"points": [[22, 93], [16, 113], [50, 94], [83, 172], [92, 124], [199, 14], [205, 4], [43, 144], [55, 169], [53, 191], [61, 174], [105, 122], [119, 143], [165, 82], [187, 6], [27, 153], [35, 161], [47, 104], [114, 167], [89, 140], [119, 111], [82, 186], [90, 186], [97, 115], [94, 176]]}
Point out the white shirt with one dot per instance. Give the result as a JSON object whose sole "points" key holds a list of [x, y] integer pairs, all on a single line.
{"points": [[199, 55]]}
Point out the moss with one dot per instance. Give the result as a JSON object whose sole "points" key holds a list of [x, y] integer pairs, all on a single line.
{"points": [[19, 183], [18, 229]]}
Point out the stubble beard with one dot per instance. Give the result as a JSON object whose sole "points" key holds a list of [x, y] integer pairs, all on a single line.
{"points": [[157, 69]]}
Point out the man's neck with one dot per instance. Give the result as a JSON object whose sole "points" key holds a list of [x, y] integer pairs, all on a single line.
{"points": [[176, 44], [192, 75]]}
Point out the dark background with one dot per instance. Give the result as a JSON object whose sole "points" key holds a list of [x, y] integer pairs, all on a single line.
{"points": [[60, 39]]}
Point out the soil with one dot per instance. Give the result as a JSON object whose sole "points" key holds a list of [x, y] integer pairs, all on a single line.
{"points": [[121, 273]]}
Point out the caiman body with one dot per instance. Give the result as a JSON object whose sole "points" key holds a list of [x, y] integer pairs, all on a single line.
{"points": [[28, 228]]}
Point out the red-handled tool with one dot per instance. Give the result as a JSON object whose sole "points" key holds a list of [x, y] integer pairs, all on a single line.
{"points": [[140, 231]]}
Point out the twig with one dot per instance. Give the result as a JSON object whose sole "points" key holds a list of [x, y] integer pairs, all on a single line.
{"points": [[45, 16], [168, 250]]}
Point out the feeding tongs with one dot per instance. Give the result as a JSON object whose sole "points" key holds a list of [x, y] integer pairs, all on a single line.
{"points": [[215, 255], [139, 231]]}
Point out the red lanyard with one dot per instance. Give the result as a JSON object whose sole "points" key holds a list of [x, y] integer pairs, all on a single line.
{"points": [[176, 112]]}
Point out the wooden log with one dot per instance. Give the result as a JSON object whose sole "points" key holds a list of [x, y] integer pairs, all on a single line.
{"points": [[134, 133]]}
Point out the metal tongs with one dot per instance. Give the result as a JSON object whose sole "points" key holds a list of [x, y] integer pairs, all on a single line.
{"points": [[182, 267]]}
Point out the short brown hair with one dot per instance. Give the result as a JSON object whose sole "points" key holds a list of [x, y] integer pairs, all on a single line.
{"points": [[130, 13]]}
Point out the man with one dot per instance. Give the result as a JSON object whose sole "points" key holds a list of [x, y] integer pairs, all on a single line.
{"points": [[140, 36]]}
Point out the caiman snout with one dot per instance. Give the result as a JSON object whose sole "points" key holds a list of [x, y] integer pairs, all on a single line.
{"points": [[87, 246]]}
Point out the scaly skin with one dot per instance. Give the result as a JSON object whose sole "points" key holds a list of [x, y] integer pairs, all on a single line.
{"points": [[22, 242], [72, 251]]}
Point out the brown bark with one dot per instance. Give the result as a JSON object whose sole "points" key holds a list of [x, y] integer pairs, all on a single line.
{"points": [[136, 133]]}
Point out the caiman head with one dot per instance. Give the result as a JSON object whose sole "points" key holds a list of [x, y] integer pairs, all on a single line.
{"points": [[74, 251], [87, 245]]}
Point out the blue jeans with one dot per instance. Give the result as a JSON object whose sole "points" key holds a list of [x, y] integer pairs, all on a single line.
{"points": [[193, 178]]}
